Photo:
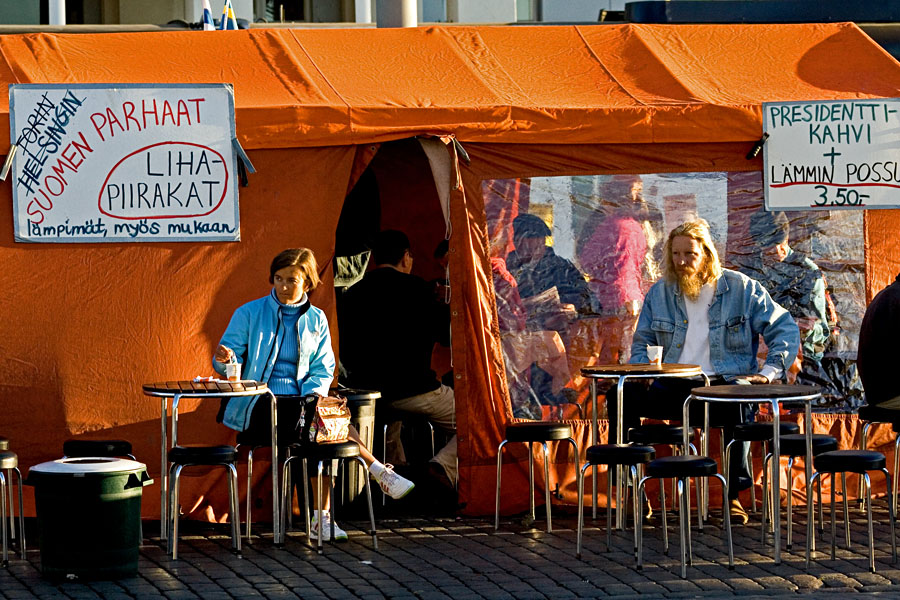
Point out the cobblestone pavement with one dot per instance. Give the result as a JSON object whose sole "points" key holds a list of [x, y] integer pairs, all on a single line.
{"points": [[463, 558]]}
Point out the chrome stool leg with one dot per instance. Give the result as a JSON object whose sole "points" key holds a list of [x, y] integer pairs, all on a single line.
{"points": [[249, 484], [3, 530], [810, 523], [790, 501], [365, 469], [891, 505], [499, 478], [869, 519], [21, 514], [580, 525], [863, 442], [235, 508], [846, 511]]}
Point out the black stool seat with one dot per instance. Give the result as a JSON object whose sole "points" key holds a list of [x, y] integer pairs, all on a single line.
{"points": [[656, 434], [537, 432], [875, 414], [202, 455], [8, 460], [854, 461], [4, 443], [619, 454], [795, 444], [80, 448], [762, 432], [316, 452], [682, 466]]}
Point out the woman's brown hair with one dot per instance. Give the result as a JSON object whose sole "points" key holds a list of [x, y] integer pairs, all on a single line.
{"points": [[297, 257]]}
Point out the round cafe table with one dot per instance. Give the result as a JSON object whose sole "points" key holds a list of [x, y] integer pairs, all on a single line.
{"points": [[771, 394], [622, 373], [176, 390]]}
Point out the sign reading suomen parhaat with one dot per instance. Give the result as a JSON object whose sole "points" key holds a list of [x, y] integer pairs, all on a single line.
{"points": [[123, 163], [828, 155]]}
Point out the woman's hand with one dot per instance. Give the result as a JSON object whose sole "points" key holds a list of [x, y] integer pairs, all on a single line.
{"points": [[755, 379], [224, 354]]}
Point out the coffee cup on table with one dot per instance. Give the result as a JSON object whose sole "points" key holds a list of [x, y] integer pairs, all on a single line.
{"points": [[233, 371], [654, 355]]}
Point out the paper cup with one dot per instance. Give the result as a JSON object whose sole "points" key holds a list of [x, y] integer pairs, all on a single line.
{"points": [[655, 354], [233, 371]]}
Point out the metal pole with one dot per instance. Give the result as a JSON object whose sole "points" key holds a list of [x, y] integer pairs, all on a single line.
{"points": [[396, 13], [56, 12], [363, 11]]}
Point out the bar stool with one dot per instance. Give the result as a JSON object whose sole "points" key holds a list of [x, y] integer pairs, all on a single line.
{"points": [[531, 433], [105, 448], [660, 434], [682, 468], [793, 445], [191, 456], [331, 453], [611, 455], [9, 462], [757, 431], [860, 462]]}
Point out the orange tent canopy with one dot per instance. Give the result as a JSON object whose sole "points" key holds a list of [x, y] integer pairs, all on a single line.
{"points": [[547, 85], [87, 324]]}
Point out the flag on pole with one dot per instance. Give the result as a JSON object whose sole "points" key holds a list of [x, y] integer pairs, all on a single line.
{"points": [[228, 20], [207, 19]]}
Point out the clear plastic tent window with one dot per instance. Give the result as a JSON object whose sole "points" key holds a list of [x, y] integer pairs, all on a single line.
{"points": [[572, 258]]}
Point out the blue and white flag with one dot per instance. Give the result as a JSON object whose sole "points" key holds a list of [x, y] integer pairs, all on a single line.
{"points": [[207, 19], [228, 20]]}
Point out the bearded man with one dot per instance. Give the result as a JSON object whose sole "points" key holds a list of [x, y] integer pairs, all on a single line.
{"points": [[705, 315]]}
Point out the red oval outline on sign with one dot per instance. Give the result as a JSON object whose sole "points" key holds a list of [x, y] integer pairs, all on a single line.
{"points": [[139, 150]]}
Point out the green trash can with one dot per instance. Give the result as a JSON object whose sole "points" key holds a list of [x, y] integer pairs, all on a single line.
{"points": [[89, 516], [362, 415]]}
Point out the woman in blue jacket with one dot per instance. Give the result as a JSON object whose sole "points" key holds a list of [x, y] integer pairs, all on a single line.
{"points": [[283, 340]]}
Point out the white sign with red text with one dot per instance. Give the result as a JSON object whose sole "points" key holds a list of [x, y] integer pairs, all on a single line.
{"points": [[123, 163], [833, 154]]}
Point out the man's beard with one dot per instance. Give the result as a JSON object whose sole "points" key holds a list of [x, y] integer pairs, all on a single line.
{"points": [[690, 284]]}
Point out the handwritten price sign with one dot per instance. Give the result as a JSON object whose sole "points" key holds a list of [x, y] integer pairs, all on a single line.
{"points": [[832, 154], [130, 163]]}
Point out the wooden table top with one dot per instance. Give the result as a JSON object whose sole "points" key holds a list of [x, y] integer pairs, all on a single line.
{"points": [[641, 369], [204, 387], [757, 391]]}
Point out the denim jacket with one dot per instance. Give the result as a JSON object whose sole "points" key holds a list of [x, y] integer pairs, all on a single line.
{"points": [[255, 333], [740, 312]]}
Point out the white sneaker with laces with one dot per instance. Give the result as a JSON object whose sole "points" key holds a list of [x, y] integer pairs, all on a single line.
{"points": [[339, 534], [394, 485]]}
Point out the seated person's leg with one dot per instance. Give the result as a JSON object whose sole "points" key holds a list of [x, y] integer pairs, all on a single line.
{"points": [[439, 406], [727, 416]]}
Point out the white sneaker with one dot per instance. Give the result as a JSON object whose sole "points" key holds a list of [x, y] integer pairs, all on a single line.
{"points": [[395, 486], [339, 534]]}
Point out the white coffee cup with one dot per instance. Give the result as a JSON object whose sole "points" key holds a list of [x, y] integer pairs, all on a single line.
{"points": [[655, 354], [233, 371]]}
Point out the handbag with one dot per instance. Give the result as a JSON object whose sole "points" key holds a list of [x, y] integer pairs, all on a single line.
{"points": [[323, 420]]}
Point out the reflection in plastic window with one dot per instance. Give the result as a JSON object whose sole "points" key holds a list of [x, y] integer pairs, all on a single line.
{"points": [[572, 258]]}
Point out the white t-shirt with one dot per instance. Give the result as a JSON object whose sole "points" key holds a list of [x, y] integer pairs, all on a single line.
{"points": [[696, 342]]}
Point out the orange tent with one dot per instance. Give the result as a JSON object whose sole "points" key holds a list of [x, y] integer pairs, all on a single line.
{"points": [[86, 324]]}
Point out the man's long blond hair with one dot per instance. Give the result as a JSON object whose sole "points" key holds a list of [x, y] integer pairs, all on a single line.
{"points": [[696, 230]]}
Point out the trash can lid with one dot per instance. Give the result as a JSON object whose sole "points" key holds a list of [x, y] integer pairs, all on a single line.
{"points": [[88, 464]]}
